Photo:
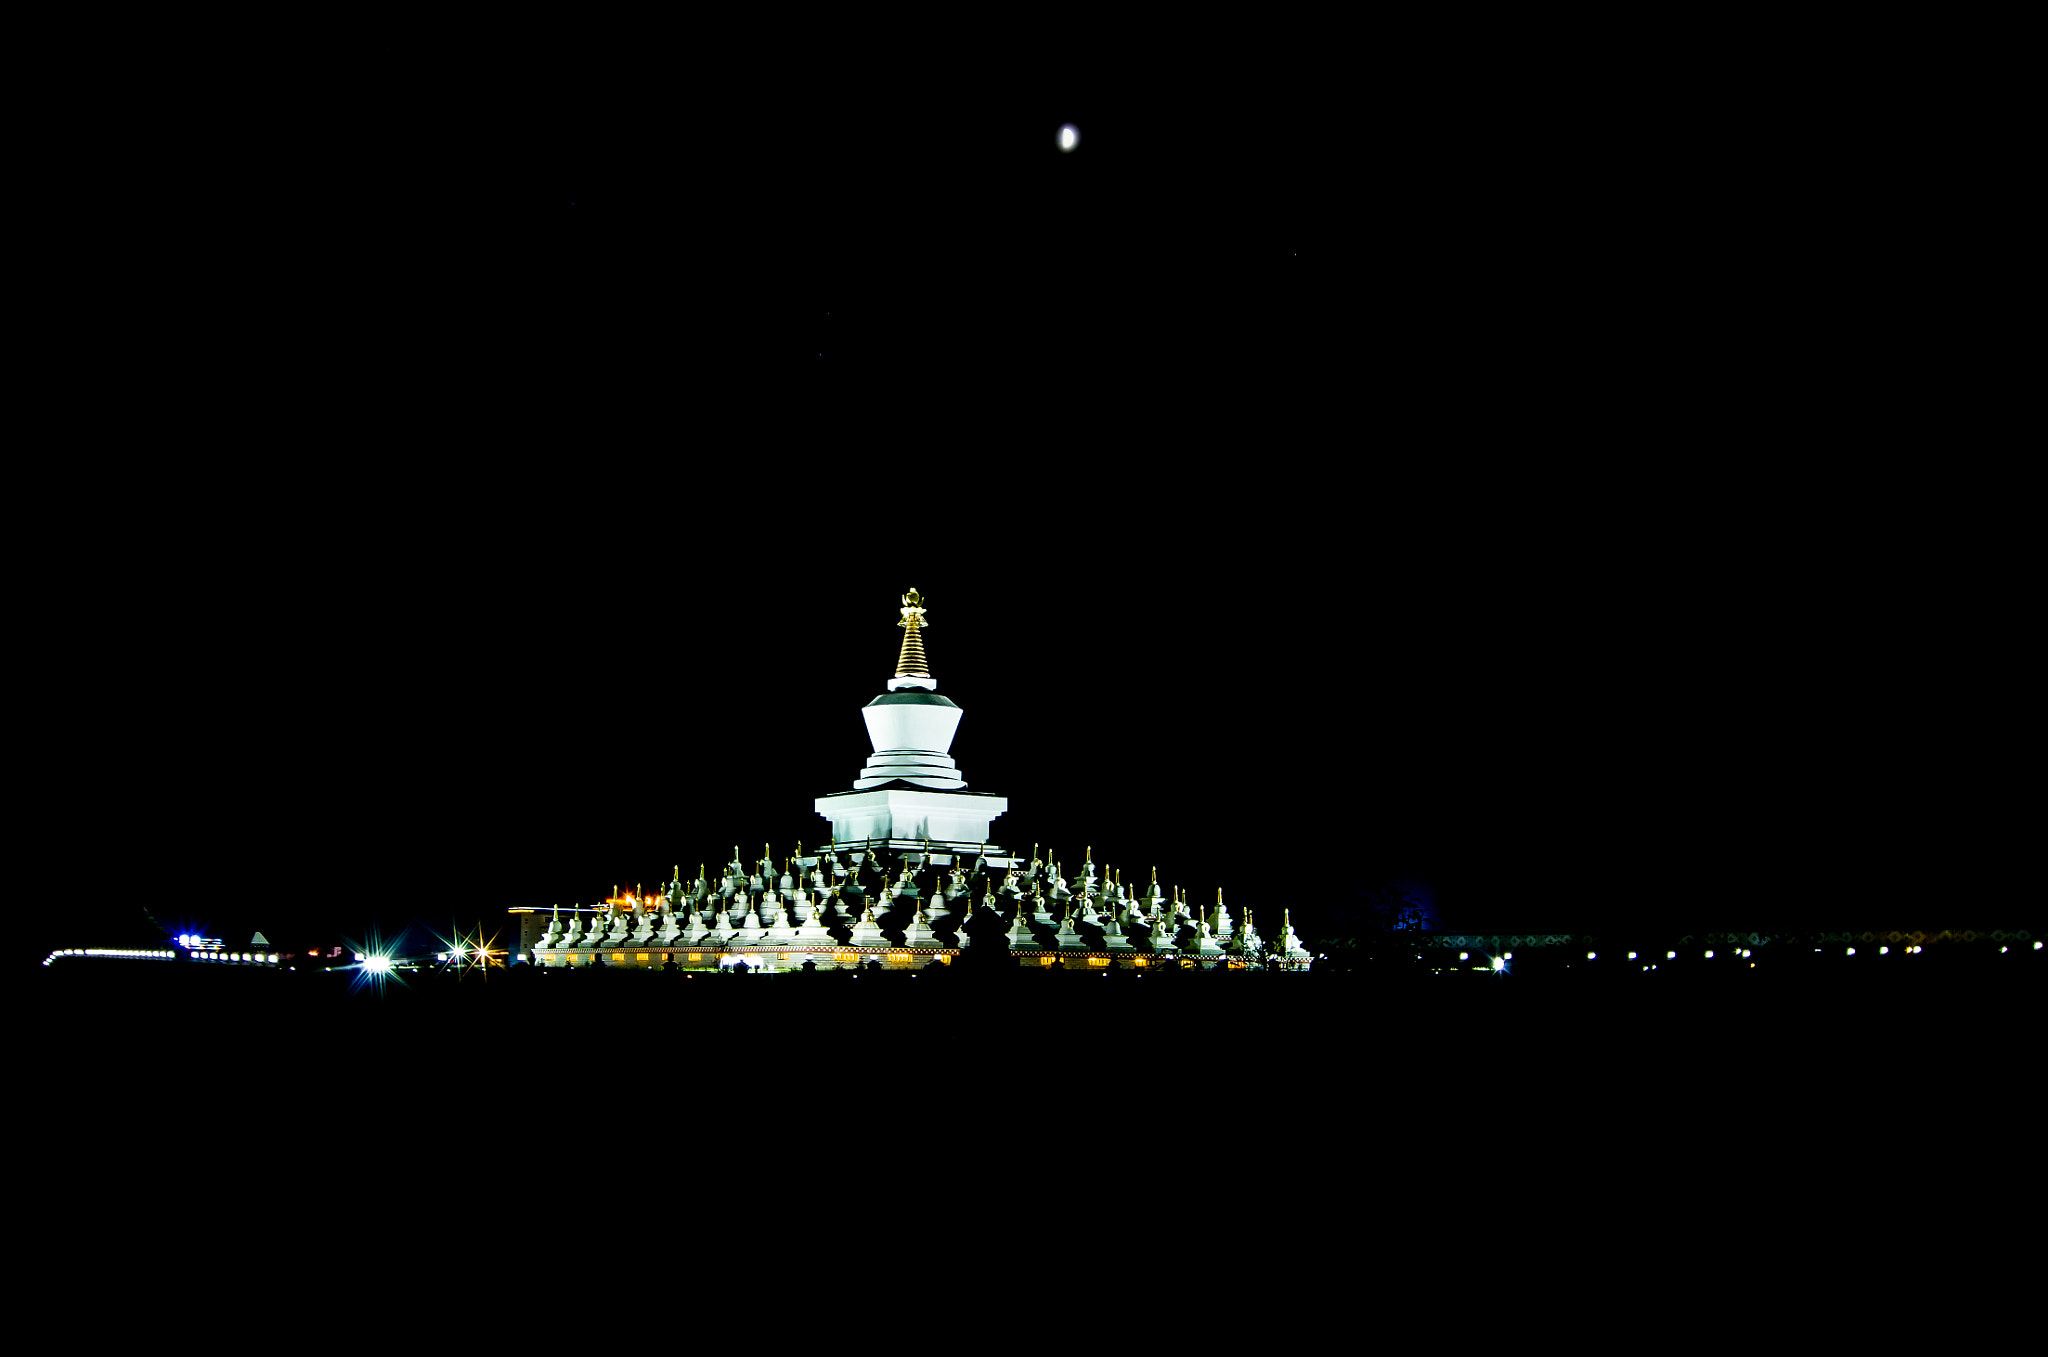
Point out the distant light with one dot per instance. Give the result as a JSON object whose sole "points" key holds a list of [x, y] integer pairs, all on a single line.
{"points": [[1070, 137], [1852, 951], [1507, 956], [1671, 956], [1745, 951], [1884, 951], [1710, 954], [377, 965], [1631, 956], [2037, 946], [1464, 956], [1591, 955], [1500, 963]]}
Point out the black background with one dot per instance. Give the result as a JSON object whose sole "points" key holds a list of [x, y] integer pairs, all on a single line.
{"points": [[1564, 464], [1405, 458]]}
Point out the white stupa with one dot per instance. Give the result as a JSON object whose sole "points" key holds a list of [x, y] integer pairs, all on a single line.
{"points": [[910, 793], [908, 872]]}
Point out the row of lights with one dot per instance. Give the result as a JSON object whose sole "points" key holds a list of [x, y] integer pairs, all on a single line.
{"points": [[268, 960], [110, 951], [1500, 962]]}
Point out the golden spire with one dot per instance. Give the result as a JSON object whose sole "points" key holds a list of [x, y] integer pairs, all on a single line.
{"points": [[911, 663]]}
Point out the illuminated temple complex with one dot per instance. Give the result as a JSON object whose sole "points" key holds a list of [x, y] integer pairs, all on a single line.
{"points": [[909, 879]]}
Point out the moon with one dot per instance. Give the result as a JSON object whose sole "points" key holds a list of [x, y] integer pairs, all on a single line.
{"points": [[1070, 137]]}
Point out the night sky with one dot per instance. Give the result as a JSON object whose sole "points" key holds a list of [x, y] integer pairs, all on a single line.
{"points": [[1561, 467], [1307, 490]]}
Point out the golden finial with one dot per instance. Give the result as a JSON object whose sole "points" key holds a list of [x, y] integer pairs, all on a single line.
{"points": [[910, 662], [1088, 853]]}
